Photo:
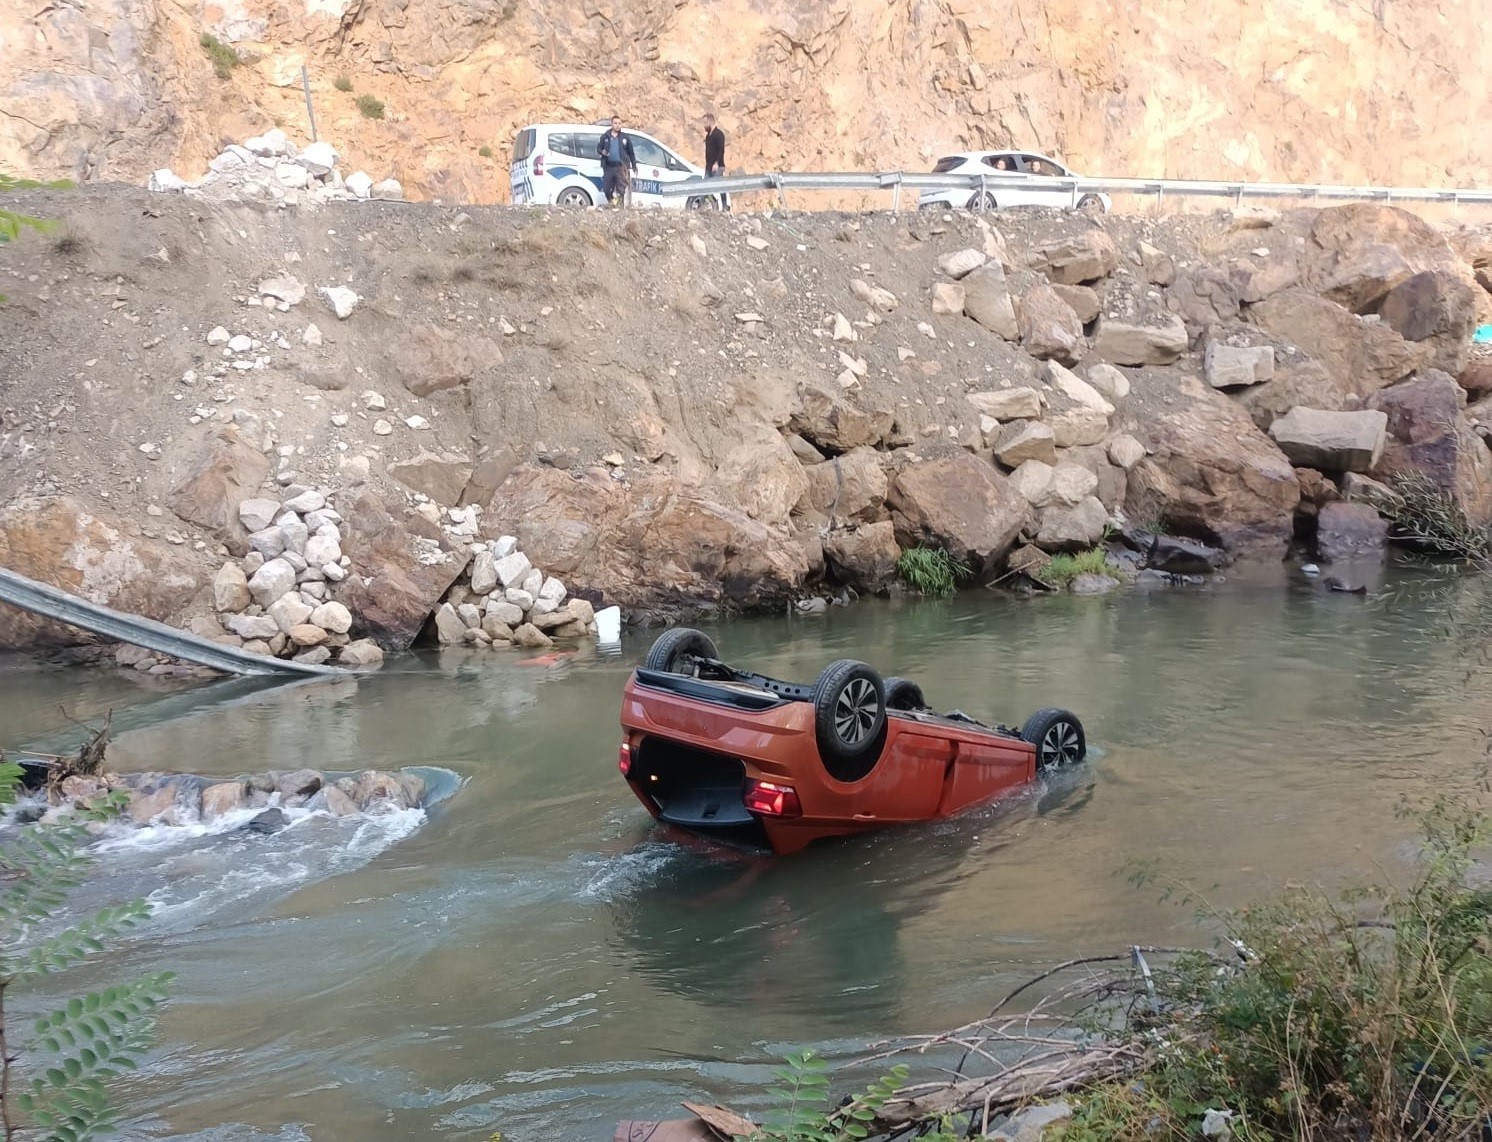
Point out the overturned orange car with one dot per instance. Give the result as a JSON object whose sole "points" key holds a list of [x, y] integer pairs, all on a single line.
{"points": [[749, 760]]}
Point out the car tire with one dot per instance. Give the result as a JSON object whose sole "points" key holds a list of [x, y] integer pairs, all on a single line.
{"points": [[702, 202], [1058, 738], [676, 649], [849, 717], [1091, 204], [574, 196], [904, 694], [985, 201]]}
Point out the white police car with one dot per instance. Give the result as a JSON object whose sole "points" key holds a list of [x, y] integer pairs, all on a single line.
{"points": [[556, 164]]}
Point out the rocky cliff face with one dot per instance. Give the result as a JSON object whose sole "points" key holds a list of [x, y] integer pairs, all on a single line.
{"points": [[1344, 90]]}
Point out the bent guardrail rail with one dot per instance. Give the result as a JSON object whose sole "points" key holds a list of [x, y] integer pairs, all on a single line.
{"points": [[49, 602], [896, 181]]}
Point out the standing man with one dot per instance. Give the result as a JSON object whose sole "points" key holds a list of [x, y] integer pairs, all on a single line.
{"points": [[715, 154], [618, 161]]}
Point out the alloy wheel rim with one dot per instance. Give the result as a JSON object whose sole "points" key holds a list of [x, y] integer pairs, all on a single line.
{"points": [[855, 711], [1059, 745]]}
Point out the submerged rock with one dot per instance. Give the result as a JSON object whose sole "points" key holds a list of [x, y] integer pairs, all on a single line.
{"points": [[268, 822]]}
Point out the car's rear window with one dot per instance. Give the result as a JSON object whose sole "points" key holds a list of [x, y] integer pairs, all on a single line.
{"points": [[523, 145], [952, 162]]}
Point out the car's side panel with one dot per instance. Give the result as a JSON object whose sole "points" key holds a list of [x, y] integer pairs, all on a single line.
{"points": [[983, 771]]}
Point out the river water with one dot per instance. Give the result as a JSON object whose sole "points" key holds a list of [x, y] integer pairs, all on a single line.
{"points": [[532, 957]]}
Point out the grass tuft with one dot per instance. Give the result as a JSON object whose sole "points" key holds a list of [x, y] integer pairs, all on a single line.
{"points": [[1063, 569], [224, 57], [370, 107], [931, 570], [343, 83], [485, 151]]}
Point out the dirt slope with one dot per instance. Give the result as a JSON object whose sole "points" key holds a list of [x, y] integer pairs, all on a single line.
{"points": [[1347, 90]]}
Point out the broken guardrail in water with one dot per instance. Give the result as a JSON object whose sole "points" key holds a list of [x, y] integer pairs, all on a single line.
{"points": [[52, 603]]}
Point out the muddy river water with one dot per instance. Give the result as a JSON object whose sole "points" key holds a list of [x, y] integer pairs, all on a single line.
{"points": [[531, 956]]}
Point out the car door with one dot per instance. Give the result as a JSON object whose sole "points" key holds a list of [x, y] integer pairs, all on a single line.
{"points": [[1042, 191], [652, 170]]}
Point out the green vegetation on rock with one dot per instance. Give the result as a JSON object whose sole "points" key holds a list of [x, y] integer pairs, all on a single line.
{"points": [[1063, 569], [224, 57], [370, 107], [931, 570]]}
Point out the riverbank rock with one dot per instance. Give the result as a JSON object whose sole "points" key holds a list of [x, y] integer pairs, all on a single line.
{"points": [[959, 503], [1349, 531], [864, 557], [1427, 434], [1125, 342], [1438, 308], [1360, 356], [1331, 441], [648, 542], [96, 554], [404, 566], [228, 470], [1209, 472]]}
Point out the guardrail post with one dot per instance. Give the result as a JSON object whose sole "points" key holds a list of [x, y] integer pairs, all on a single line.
{"points": [[896, 197], [979, 207]]}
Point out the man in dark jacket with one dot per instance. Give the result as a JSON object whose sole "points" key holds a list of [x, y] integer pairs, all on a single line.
{"points": [[715, 154], [618, 161]]}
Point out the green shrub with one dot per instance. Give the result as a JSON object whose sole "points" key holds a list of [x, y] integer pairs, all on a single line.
{"points": [[1366, 1015], [224, 57], [57, 1075], [931, 570], [485, 152], [342, 83], [804, 1114], [1422, 515], [370, 107], [1063, 569]]}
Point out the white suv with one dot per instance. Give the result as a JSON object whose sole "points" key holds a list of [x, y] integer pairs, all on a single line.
{"points": [[556, 164], [1023, 181]]}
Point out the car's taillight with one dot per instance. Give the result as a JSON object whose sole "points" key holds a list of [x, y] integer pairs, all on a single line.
{"points": [[539, 165], [772, 800], [624, 758]]}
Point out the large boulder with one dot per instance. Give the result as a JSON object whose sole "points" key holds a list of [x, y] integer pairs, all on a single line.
{"points": [[442, 476], [759, 475], [401, 568], [228, 470], [1072, 527], [1076, 260], [1158, 341], [1429, 435], [1349, 531], [654, 543], [97, 555], [1049, 327], [1361, 356], [1018, 403], [1435, 307], [849, 487], [1204, 296], [864, 557], [960, 503], [1331, 441], [428, 359], [1358, 252], [1301, 381], [987, 300], [834, 423], [1211, 474]]}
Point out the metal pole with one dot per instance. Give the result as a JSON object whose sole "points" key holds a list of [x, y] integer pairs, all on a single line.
{"points": [[305, 82]]}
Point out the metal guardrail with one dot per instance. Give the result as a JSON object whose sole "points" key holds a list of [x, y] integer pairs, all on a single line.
{"points": [[1076, 188], [39, 598]]}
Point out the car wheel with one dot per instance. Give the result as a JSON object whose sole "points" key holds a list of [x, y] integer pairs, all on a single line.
{"points": [[1091, 203], [849, 708], [574, 196], [904, 694], [985, 201], [1058, 738], [677, 649], [703, 202]]}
